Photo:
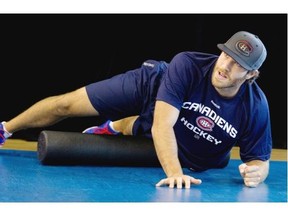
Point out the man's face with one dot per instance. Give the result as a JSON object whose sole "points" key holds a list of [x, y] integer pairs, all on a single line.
{"points": [[228, 75]]}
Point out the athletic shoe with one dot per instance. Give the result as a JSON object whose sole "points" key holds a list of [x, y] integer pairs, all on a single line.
{"points": [[102, 129], [4, 134]]}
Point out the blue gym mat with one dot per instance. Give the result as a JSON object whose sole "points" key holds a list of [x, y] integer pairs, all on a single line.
{"points": [[24, 179]]}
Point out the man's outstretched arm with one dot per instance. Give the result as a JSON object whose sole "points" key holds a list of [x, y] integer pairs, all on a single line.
{"points": [[165, 116]]}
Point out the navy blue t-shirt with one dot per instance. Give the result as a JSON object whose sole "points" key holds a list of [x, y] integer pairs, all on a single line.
{"points": [[210, 125]]}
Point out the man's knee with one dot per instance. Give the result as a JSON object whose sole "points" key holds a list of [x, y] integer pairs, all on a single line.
{"points": [[62, 105], [75, 103]]}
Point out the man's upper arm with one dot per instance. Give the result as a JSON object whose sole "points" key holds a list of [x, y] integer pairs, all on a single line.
{"points": [[165, 114]]}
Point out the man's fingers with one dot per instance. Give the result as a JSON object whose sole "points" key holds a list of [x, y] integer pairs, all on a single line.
{"points": [[249, 183], [179, 181], [251, 169], [196, 181], [242, 168], [250, 175], [187, 183], [171, 182], [160, 183]]}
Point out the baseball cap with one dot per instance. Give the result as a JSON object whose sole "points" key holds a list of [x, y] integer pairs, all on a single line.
{"points": [[246, 49]]}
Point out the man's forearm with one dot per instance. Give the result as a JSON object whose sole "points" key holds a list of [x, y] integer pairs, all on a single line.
{"points": [[166, 149], [165, 117]]}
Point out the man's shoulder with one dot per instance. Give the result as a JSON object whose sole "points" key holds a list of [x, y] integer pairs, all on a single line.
{"points": [[257, 91], [196, 54], [255, 98], [195, 57]]}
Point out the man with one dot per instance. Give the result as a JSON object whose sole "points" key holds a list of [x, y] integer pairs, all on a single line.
{"points": [[196, 108]]}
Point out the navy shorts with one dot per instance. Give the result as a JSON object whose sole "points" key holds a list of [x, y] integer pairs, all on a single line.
{"points": [[129, 94]]}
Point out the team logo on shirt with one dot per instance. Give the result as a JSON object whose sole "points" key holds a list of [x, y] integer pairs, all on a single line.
{"points": [[208, 118], [205, 123]]}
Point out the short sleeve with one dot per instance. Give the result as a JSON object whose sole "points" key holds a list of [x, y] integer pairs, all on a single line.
{"points": [[177, 80]]}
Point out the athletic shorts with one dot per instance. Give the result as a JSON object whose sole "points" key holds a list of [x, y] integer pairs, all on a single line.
{"points": [[129, 94]]}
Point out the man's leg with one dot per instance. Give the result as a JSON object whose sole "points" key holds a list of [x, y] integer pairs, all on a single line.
{"points": [[52, 110], [123, 126]]}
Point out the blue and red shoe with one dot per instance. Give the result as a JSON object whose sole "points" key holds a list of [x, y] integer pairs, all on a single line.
{"points": [[4, 134], [102, 129]]}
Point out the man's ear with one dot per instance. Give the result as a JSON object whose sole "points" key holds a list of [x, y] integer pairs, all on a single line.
{"points": [[252, 73]]}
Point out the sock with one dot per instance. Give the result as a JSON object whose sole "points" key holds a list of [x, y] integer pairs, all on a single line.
{"points": [[6, 133], [112, 128]]}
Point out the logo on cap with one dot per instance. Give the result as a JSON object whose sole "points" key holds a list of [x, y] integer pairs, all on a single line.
{"points": [[244, 47]]}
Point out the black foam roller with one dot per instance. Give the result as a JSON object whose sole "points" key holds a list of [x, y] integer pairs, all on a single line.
{"points": [[72, 148]]}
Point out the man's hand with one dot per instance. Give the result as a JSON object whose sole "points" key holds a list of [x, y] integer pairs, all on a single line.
{"points": [[179, 181], [250, 174]]}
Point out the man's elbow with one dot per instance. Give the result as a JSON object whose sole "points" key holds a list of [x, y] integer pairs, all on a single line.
{"points": [[155, 130]]}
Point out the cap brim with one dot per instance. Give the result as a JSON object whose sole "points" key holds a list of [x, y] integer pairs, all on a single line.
{"points": [[234, 56]]}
